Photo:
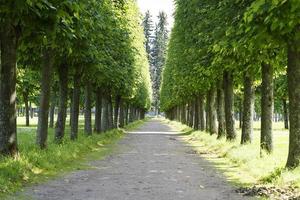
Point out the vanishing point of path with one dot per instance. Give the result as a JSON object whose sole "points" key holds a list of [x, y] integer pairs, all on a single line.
{"points": [[149, 164]]}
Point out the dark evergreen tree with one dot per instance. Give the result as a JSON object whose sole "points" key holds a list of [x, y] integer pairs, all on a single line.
{"points": [[159, 50]]}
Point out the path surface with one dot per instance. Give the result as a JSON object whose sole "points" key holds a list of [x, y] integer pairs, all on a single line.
{"points": [[150, 164]]}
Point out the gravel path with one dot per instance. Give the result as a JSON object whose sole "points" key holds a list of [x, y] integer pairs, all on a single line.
{"points": [[150, 164]]}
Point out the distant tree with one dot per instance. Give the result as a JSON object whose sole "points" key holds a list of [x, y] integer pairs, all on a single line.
{"points": [[148, 30], [159, 49]]}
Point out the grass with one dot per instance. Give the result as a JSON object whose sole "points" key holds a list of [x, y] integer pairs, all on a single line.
{"points": [[33, 165], [243, 165]]}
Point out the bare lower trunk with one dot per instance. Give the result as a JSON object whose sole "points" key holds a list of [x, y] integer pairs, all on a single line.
{"points": [[122, 114], [131, 114], [220, 110], [247, 126], [63, 100], [294, 102], [207, 112], [51, 113], [88, 109], [285, 114], [98, 112], [201, 113], [126, 114], [191, 114], [47, 67], [110, 113], [229, 95], [116, 112], [105, 117], [8, 125], [25, 97], [196, 114], [76, 101], [212, 114], [267, 102]]}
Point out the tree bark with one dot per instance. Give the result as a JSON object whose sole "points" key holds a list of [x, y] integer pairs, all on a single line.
{"points": [[294, 102], [31, 110], [116, 112], [63, 100], [207, 112], [285, 114], [267, 104], [131, 114], [122, 114], [201, 113], [71, 107], [8, 122], [46, 79], [240, 113], [221, 110], [98, 112], [88, 109], [126, 114], [191, 114], [248, 105], [76, 102], [196, 114], [52, 110], [229, 96], [25, 97], [105, 117], [212, 114], [110, 113]]}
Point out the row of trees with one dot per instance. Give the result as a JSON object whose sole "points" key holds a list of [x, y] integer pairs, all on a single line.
{"points": [[224, 49], [156, 48], [64, 48]]}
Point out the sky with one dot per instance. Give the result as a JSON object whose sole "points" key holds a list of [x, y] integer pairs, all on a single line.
{"points": [[154, 6]]}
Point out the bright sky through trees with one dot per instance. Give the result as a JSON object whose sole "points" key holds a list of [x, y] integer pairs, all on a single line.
{"points": [[154, 6]]}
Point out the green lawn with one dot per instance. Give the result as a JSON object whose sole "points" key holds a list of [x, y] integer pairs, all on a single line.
{"points": [[33, 165], [243, 165]]}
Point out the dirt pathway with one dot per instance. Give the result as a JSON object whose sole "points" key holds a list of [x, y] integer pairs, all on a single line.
{"points": [[150, 164]]}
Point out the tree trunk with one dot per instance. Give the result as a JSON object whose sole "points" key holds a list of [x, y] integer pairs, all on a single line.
{"points": [[105, 123], [122, 113], [25, 97], [110, 113], [88, 109], [76, 102], [247, 126], [31, 110], [221, 110], [52, 111], [294, 103], [131, 110], [8, 120], [126, 114], [267, 102], [63, 100], [212, 114], [240, 113], [71, 106], [98, 118], [285, 114], [196, 114], [46, 79], [191, 115], [116, 112], [229, 96], [201, 113], [207, 112]]}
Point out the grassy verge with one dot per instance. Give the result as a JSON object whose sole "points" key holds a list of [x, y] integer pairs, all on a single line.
{"points": [[34, 165], [243, 165]]}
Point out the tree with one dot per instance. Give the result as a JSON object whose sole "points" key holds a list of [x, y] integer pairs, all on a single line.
{"points": [[159, 50]]}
